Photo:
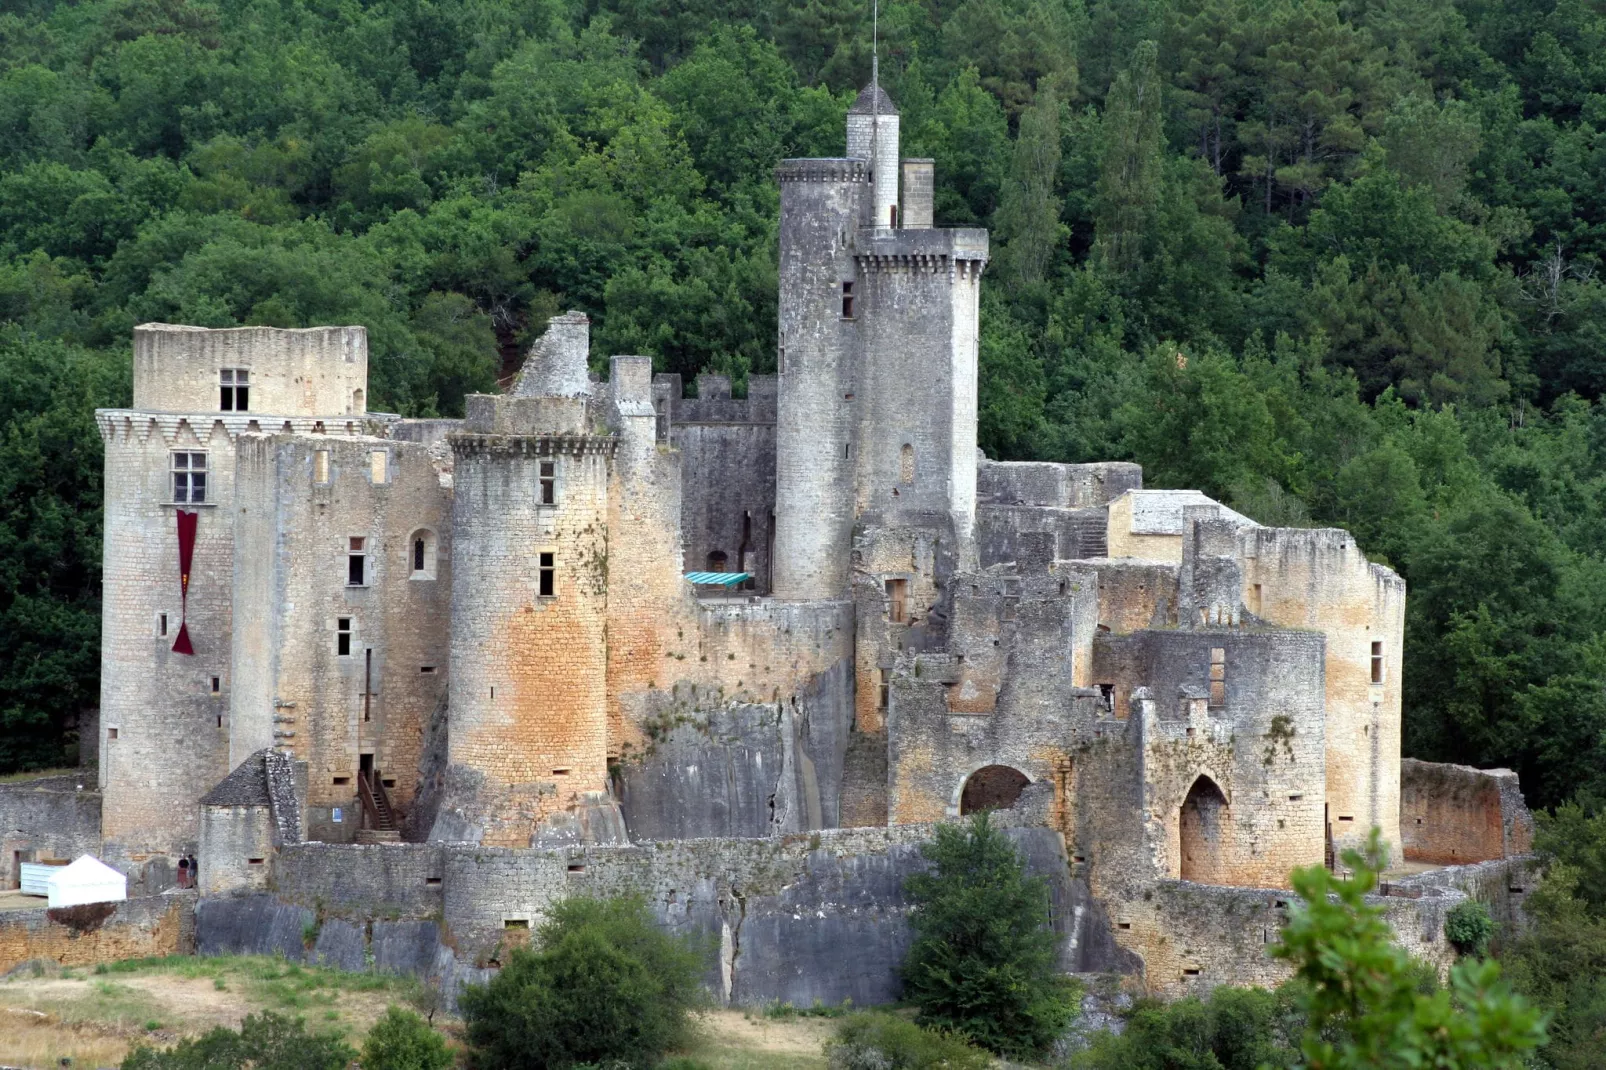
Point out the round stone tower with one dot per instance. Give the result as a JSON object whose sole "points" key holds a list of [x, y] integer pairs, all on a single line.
{"points": [[823, 204], [873, 137]]}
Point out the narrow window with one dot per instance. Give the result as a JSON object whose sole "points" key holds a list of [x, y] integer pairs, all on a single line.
{"points": [[161, 624], [217, 684], [255, 861], [320, 466], [426, 669], [343, 636], [847, 300], [1254, 600], [418, 554], [892, 216], [235, 390], [1377, 663], [189, 477], [548, 574], [898, 599], [378, 466], [885, 691], [1218, 677], [549, 482], [1107, 697], [356, 562], [906, 465]]}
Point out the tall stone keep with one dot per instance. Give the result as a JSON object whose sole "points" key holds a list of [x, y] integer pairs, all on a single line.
{"points": [[823, 205], [527, 750], [164, 713]]}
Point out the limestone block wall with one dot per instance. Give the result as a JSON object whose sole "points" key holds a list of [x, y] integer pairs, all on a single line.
{"points": [[316, 371], [1134, 595], [1320, 579], [1005, 693], [1261, 748], [150, 926], [528, 688], [164, 730], [1147, 524], [1058, 486], [236, 848], [915, 402], [728, 496], [823, 203], [356, 880], [303, 499], [920, 559], [47, 819], [1453, 815], [1077, 533]]}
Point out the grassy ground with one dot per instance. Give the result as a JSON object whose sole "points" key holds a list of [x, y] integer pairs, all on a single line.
{"points": [[95, 1017]]}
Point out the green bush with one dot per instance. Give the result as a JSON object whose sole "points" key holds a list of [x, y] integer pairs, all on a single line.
{"points": [[1234, 1029], [602, 984], [984, 962], [402, 1040], [875, 1040], [266, 1041], [1468, 927]]}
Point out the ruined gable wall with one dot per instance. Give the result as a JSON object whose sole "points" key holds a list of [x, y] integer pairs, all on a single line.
{"points": [[1453, 814], [297, 529], [1320, 579]]}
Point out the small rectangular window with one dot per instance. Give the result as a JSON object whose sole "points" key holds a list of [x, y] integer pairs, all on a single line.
{"points": [[1377, 663], [343, 637], [898, 601], [189, 477], [885, 690], [357, 562], [847, 300], [320, 466], [342, 780], [378, 466], [549, 482], [427, 670], [161, 624], [418, 555], [111, 733], [235, 389], [217, 685], [548, 574], [254, 861], [516, 923], [1218, 677]]}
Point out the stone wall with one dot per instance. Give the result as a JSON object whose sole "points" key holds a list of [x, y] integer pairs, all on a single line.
{"points": [[236, 848], [316, 371], [147, 927], [1452, 815], [727, 496], [47, 819]]}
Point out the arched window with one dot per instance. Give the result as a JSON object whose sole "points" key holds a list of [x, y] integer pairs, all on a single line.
{"points": [[992, 787], [716, 561], [421, 554], [1203, 833], [358, 403], [906, 465]]}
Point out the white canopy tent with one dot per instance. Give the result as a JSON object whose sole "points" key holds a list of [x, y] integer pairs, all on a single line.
{"points": [[88, 880]]}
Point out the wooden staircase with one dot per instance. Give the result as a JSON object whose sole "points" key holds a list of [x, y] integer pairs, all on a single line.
{"points": [[379, 824]]}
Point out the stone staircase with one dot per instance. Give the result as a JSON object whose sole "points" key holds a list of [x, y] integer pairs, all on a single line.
{"points": [[379, 816]]}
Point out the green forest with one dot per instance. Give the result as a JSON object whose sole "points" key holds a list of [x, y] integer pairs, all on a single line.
{"points": [[1334, 262]]}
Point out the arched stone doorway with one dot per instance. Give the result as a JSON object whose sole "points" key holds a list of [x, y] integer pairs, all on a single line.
{"points": [[992, 787], [1202, 824]]}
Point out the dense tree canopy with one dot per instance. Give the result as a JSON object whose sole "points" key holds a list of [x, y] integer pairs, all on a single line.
{"points": [[1332, 262]]}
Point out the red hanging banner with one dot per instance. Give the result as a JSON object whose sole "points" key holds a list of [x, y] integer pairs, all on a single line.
{"points": [[186, 554]]}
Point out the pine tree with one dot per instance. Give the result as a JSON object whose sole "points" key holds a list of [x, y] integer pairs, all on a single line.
{"points": [[1028, 220], [1131, 178]]}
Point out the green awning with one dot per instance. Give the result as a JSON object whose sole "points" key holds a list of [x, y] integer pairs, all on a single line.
{"points": [[717, 579]]}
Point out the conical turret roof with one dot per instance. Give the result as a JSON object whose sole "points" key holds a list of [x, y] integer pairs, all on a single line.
{"points": [[873, 100]]}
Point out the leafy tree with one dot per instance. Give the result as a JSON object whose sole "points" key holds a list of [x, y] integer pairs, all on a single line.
{"points": [[265, 1041], [1364, 1005], [1469, 928], [984, 962], [1233, 1029], [401, 1040], [601, 984]]}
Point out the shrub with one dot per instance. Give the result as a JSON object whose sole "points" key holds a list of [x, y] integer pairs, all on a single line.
{"points": [[602, 985], [983, 962], [1468, 927], [1234, 1029], [266, 1041], [402, 1040], [875, 1040]]}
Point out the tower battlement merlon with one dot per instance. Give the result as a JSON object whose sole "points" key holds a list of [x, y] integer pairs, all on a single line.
{"points": [[312, 371], [534, 445], [829, 169], [962, 251]]}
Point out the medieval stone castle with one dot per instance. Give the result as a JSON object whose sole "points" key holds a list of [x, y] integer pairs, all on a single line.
{"points": [[601, 634]]}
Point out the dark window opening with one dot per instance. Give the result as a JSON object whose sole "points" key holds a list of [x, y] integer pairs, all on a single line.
{"points": [[235, 390], [548, 574], [847, 300], [217, 685], [560, 772], [516, 923], [549, 482], [418, 555], [716, 561], [111, 733], [356, 562], [342, 780], [343, 636], [577, 869], [189, 477], [426, 669], [161, 624], [892, 216], [1107, 697], [1377, 663], [885, 690], [254, 861], [432, 880]]}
